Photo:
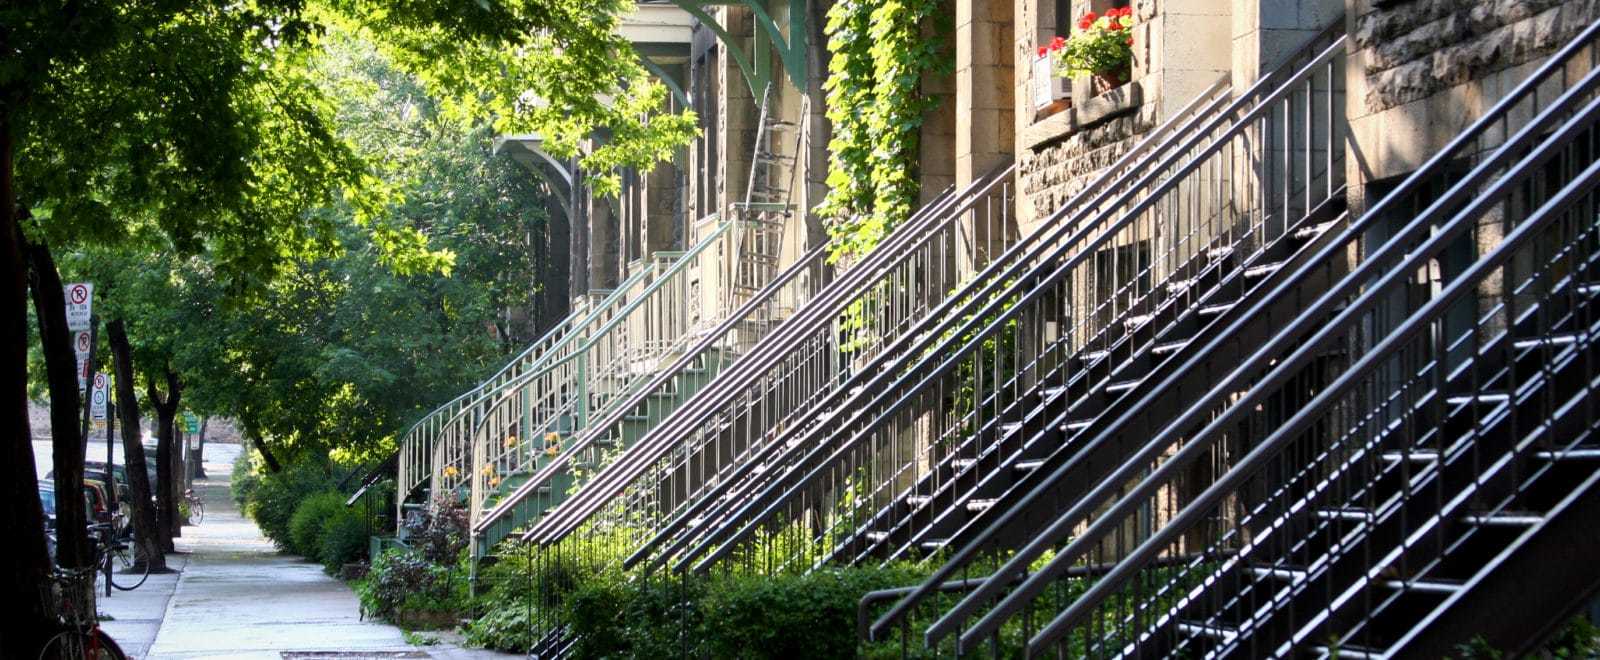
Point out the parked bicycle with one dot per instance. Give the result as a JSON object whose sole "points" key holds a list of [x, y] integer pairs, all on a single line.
{"points": [[197, 509], [121, 558], [82, 638]]}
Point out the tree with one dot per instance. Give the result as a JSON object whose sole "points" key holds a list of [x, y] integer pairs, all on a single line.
{"points": [[146, 532]]}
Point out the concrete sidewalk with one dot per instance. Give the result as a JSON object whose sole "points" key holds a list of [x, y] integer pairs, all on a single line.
{"points": [[238, 597]]}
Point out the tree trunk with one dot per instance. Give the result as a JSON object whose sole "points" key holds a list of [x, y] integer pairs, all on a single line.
{"points": [[27, 563], [145, 530], [166, 415], [198, 459], [179, 482], [61, 371]]}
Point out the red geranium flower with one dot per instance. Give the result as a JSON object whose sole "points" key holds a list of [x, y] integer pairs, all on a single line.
{"points": [[1042, 51], [1058, 43], [1087, 21]]}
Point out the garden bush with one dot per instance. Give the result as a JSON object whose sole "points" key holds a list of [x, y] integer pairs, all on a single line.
{"points": [[405, 588], [305, 526], [272, 504], [344, 539]]}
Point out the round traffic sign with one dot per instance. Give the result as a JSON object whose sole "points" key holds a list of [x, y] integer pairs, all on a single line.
{"points": [[83, 342], [78, 294], [100, 381]]}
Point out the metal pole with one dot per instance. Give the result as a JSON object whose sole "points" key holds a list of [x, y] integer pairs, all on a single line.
{"points": [[111, 427]]}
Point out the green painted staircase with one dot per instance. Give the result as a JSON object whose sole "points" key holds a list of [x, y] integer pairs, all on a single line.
{"points": [[633, 425]]}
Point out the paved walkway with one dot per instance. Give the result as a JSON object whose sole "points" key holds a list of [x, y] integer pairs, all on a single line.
{"points": [[237, 597]]}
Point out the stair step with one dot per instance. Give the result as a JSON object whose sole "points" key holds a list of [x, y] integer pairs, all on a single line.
{"points": [[636, 418], [1263, 270], [1090, 357], [1414, 456], [1362, 515], [1504, 519], [1348, 652], [980, 505], [963, 463], [1485, 397], [1137, 320], [1423, 586], [1176, 287], [1579, 453], [1049, 393], [1313, 231], [1210, 630], [1123, 386], [1010, 428], [1075, 426], [1589, 289], [1217, 309], [1169, 347], [1552, 341], [1220, 253], [877, 537], [918, 501], [933, 545], [1027, 466], [1278, 572]]}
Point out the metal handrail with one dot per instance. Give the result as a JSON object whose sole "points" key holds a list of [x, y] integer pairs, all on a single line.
{"points": [[1028, 286], [619, 411], [583, 351], [1005, 268], [879, 263], [774, 346], [1421, 320], [1280, 341], [594, 314]]}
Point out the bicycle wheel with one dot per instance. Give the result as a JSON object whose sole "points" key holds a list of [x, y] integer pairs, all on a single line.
{"points": [[128, 567], [197, 511], [76, 645]]}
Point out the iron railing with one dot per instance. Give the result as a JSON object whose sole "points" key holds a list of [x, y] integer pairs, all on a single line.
{"points": [[414, 465], [1230, 188], [696, 446], [543, 409], [1287, 464]]}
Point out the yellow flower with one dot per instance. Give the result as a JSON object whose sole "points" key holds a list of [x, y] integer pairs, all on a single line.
{"points": [[488, 470], [552, 437], [494, 482], [450, 471], [552, 450], [511, 442]]}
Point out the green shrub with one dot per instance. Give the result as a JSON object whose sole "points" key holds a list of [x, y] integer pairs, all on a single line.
{"points": [[344, 539], [305, 526], [792, 616], [245, 481], [402, 585], [273, 503]]}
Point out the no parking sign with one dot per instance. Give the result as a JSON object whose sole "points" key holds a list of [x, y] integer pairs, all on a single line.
{"points": [[80, 298], [97, 399]]}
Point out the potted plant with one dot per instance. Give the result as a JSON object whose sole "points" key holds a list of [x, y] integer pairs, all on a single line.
{"points": [[1051, 93], [1101, 47]]}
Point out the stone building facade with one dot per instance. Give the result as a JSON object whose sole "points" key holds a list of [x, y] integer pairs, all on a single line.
{"points": [[1418, 71]]}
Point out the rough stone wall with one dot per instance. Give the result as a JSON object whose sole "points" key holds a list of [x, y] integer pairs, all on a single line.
{"points": [[1413, 50], [1054, 173]]}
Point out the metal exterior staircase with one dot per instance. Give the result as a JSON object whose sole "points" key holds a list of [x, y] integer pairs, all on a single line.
{"points": [[1020, 376], [541, 442], [1364, 481], [682, 460]]}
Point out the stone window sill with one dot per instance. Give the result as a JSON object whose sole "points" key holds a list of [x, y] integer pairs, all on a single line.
{"points": [[1093, 112]]}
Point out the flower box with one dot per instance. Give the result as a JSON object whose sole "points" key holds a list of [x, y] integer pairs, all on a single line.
{"points": [[1048, 89]]}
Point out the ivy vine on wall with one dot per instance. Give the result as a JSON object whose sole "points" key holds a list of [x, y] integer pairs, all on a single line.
{"points": [[879, 55]]}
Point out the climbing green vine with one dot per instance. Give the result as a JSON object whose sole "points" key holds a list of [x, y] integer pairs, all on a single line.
{"points": [[879, 55]]}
